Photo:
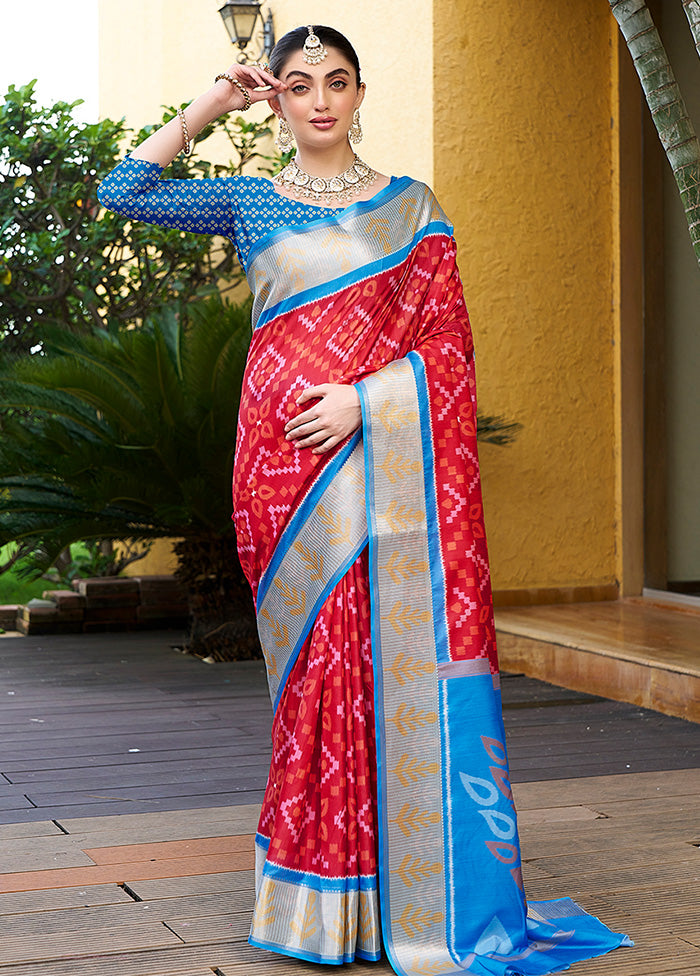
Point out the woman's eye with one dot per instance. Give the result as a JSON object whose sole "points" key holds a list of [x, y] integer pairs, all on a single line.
{"points": [[338, 83], [299, 88]]}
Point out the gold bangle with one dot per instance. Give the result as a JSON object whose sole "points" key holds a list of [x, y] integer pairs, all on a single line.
{"points": [[187, 146], [237, 84]]}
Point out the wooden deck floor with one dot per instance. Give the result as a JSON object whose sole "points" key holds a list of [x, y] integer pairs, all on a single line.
{"points": [[139, 863]]}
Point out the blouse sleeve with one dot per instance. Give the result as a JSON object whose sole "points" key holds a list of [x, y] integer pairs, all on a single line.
{"points": [[134, 189]]}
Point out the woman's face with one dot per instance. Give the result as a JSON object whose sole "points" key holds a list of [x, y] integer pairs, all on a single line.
{"points": [[321, 99]]}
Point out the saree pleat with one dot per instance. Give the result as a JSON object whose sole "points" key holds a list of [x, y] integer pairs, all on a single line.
{"points": [[389, 783], [318, 821]]}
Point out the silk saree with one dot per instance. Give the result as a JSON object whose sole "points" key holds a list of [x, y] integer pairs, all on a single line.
{"points": [[388, 818]]}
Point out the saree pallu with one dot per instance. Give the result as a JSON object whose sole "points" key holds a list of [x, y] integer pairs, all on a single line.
{"points": [[388, 807]]}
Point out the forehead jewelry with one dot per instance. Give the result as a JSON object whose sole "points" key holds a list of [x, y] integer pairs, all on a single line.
{"points": [[313, 51]]}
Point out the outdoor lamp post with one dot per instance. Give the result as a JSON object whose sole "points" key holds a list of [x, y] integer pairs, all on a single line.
{"points": [[240, 18]]}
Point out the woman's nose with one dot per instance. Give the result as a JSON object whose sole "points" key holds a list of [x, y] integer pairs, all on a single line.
{"points": [[320, 100]]}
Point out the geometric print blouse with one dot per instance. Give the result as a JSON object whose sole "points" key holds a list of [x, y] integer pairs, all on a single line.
{"points": [[242, 208]]}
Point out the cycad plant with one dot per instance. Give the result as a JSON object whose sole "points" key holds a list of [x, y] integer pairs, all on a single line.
{"points": [[131, 436]]}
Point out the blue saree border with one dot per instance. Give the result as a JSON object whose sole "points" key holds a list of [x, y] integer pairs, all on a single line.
{"points": [[303, 512]]}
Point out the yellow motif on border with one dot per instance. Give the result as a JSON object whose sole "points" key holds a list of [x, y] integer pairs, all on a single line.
{"points": [[414, 919], [400, 518], [410, 769], [313, 560], [408, 718], [411, 820], [279, 630], [337, 528], [404, 618], [413, 870], [304, 922], [295, 600], [410, 668]]}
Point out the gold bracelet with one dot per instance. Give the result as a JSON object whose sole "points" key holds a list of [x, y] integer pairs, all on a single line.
{"points": [[237, 84], [186, 144]]}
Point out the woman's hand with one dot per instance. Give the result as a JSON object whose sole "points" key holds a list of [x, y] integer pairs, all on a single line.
{"points": [[334, 417], [258, 82]]}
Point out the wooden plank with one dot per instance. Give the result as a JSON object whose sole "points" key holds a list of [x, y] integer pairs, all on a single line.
{"points": [[105, 873], [224, 881], [242, 819], [102, 808], [83, 919], [625, 857], [39, 829], [23, 949], [172, 849], [148, 768], [233, 750], [177, 961], [49, 900], [684, 782], [214, 928]]}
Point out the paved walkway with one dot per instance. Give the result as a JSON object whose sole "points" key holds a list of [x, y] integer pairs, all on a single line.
{"points": [[132, 777]]}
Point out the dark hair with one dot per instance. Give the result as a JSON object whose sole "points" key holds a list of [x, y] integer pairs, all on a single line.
{"points": [[294, 41]]}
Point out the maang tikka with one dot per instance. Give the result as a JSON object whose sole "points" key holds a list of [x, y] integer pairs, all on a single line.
{"points": [[313, 51]]}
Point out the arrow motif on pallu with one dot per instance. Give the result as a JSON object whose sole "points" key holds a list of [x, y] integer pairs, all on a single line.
{"points": [[411, 820], [393, 418], [399, 517], [312, 560], [413, 919], [410, 668], [293, 599], [408, 718], [337, 527], [279, 631], [396, 467], [412, 870], [410, 770], [405, 618], [402, 568], [322, 540]]}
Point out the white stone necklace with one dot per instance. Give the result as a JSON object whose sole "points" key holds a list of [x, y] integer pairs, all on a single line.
{"points": [[338, 189]]}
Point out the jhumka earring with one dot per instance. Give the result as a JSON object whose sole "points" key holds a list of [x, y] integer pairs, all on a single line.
{"points": [[285, 136], [355, 132]]}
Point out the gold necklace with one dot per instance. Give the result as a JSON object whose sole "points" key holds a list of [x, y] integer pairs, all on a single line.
{"points": [[338, 189]]}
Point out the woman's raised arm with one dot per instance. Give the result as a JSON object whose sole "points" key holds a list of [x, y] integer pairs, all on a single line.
{"points": [[223, 97]]}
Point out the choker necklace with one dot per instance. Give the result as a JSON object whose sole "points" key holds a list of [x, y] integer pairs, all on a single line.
{"points": [[356, 178]]}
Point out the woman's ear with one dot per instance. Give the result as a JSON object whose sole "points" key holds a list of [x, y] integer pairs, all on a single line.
{"points": [[274, 104], [361, 91]]}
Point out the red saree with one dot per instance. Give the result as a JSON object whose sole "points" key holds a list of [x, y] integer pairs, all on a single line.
{"points": [[370, 571]]}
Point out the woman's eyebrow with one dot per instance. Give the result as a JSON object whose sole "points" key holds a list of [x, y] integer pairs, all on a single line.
{"points": [[303, 74]]}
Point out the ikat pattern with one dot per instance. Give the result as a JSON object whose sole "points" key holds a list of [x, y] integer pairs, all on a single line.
{"points": [[243, 208]]}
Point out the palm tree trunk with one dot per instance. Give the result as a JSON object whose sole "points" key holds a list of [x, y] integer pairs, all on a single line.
{"points": [[692, 12], [666, 103]]}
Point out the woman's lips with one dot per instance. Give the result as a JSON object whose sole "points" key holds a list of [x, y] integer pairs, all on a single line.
{"points": [[323, 123]]}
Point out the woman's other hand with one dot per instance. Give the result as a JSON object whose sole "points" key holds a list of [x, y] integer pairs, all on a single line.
{"points": [[334, 416]]}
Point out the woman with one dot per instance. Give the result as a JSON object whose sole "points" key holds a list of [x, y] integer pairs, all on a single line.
{"points": [[358, 513]]}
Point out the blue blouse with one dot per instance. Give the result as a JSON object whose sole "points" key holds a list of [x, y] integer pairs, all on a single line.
{"points": [[243, 208]]}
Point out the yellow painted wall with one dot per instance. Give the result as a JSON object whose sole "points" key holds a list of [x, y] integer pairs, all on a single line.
{"points": [[523, 159]]}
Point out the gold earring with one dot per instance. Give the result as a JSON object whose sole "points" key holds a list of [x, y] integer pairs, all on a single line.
{"points": [[355, 133], [285, 136]]}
